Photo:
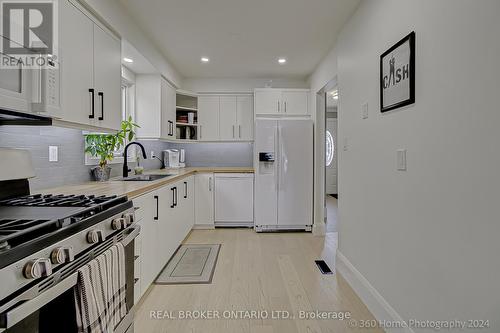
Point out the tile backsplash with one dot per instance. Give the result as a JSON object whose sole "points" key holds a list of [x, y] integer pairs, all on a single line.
{"points": [[71, 169]]}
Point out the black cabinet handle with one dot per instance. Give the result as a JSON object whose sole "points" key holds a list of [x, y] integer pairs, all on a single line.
{"points": [[92, 111], [175, 189], [157, 208], [101, 96], [173, 197], [185, 190]]}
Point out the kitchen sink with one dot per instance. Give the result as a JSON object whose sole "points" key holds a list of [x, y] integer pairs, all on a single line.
{"points": [[145, 178]]}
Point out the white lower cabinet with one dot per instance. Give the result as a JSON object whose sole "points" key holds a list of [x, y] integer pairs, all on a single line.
{"points": [[166, 216], [204, 201]]}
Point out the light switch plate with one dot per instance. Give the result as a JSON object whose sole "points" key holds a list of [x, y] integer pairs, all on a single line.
{"points": [[401, 159], [346, 144], [53, 154], [364, 111]]}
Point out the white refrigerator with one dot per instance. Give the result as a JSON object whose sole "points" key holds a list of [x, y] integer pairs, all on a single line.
{"points": [[283, 160]]}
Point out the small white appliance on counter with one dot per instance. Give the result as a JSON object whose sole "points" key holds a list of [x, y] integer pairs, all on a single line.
{"points": [[283, 161], [171, 158], [182, 158]]}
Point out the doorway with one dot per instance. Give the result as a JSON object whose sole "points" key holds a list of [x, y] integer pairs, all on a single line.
{"points": [[331, 175]]}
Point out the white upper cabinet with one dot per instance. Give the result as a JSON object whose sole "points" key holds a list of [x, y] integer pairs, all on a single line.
{"points": [[268, 101], [228, 118], [295, 102], [155, 107], [282, 102], [225, 117], [244, 109], [77, 65], [208, 118], [90, 70], [107, 78], [168, 97]]}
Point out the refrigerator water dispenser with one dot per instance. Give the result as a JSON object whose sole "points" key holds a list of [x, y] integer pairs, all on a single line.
{"points": [[266, 163]]}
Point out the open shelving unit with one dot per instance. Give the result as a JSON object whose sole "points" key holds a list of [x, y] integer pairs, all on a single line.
{"points": [[186, 116]]}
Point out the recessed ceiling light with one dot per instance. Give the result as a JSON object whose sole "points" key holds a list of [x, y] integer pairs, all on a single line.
{"points": [[282, 60], [204, 59], [128, 60]]}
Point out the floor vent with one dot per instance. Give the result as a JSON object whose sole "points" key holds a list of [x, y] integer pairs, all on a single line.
{"points": [[323, 267]]}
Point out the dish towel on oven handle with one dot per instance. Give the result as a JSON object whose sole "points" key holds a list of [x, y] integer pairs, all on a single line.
{"points": [[100, 292]]}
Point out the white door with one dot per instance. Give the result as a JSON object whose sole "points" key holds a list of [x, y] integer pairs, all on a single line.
{"points": [[77, 65], [227, 118], [295, 176], [331, 156], [107, 79], [266, 186], [204, 199], [268, 101], [245, 118], [295, 102], [208, 117]]}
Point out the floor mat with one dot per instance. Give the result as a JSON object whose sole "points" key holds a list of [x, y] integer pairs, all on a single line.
{"points": [[192, 264]]}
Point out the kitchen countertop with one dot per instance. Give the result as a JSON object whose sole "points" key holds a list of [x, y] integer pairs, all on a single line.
{"points": [[133, 189]]}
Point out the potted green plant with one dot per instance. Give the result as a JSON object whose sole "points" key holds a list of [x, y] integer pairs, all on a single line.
{"points": [[104, 146]]}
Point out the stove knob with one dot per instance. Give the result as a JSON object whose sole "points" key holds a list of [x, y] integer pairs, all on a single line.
{"points": [[62, 255], [119, 223], [129, 217], [95, 236], [37, 268]]}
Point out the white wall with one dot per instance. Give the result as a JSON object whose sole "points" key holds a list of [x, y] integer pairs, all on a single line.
{"points": [[119, 19], [243, 85], [426, 239]]}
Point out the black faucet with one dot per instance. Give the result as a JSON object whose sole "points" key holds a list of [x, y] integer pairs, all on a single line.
{"points": [[126, 170]]}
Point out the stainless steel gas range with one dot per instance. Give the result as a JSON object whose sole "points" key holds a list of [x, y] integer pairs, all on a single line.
{"points": [[44, 240]]}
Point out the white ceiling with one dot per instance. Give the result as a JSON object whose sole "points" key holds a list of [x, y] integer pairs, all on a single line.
{"points": [[242, 38]]}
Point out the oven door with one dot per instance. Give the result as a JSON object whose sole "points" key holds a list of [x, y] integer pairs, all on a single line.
{"points": [[55, 307]]}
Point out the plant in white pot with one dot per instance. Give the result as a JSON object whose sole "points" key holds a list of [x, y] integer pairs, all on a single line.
{"points": [[103, 146]]}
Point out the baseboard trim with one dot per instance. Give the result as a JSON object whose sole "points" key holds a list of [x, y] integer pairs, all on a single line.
{"points": [[375, 302], [203, 227]]}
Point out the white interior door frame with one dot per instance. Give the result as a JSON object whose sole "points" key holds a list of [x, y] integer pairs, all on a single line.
{"points": [[319, 226]]}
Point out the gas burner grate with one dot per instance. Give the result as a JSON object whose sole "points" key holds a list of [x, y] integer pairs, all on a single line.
{"points": [[49, 200], [14, 232]]}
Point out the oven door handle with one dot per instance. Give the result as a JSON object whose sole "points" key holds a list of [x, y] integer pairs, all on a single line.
{"points": [[133, 232], [20, 312]]}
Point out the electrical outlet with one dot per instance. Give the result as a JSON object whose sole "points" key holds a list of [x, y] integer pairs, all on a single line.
{"points": [[152, 154], [53, 154]]}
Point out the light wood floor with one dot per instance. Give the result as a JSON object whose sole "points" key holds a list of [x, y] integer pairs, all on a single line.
{"points": [[273, 271]]}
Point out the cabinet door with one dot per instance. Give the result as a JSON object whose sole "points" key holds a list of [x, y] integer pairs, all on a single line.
{"points": [[76, 50], [168, 112], [204, 200], [268, 101], [148, 106], [107, 79], [245, 118], [146, 211], [295, 102], [168, 216], [227, 118], [208, 117]]}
